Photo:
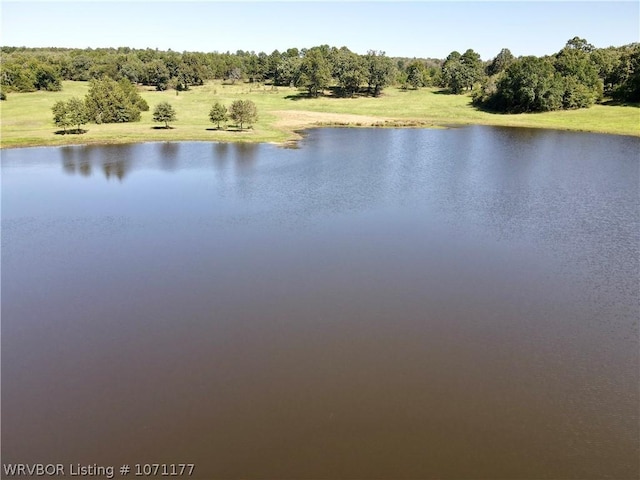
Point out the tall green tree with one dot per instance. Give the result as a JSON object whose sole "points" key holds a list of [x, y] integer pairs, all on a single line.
{"points": [[131, 93], [349, 70], [288, 70], [626, 76], [191, 70], [582, 86], [473, 66], [500, 62], [453, 74], [416, 74], [132, 69], [315, 71], [380, 71], [243, 111], [157, 74], [164, 113], [109, 101], [577, 43], [47, 78], [80, 66], [529, 84], [607, 61], [461, 72], [272, 67]]}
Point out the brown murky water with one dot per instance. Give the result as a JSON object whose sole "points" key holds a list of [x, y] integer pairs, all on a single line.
{"points": [[378, 304]]}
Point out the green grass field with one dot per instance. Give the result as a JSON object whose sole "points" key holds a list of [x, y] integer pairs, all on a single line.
{"points": [[26, 118]]}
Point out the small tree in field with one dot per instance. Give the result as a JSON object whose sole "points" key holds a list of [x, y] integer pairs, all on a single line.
{"points": [[60, 115], [164, 112], [218, 113], [243, 111], [77, 112], [71, 112]]}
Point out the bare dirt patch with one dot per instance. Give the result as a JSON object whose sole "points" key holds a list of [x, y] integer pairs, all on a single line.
{"points": [[298, 119]]}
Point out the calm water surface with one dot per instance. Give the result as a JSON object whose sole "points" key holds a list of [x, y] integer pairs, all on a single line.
{"points": [[378, 304]]}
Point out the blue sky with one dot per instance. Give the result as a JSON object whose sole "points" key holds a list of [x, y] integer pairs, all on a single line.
{"points": [[411, 29]]}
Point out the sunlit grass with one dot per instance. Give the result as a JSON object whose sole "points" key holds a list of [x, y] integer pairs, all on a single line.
{"points": [[26, 117]]}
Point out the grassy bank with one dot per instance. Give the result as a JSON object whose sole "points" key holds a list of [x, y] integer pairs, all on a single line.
{"points": [[26, 118]]}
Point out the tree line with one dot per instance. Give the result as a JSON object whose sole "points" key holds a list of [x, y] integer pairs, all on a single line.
{"points": [[109, 101], [575, 77], [315, 69]]}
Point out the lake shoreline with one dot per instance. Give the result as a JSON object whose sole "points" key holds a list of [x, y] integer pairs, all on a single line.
{"points": [[297, 134]]}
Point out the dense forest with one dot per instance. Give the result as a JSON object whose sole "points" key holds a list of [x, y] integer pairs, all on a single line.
{"points": [[575, 77]]}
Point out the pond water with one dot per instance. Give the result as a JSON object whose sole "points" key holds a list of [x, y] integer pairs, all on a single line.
{"points": [[378, 303]]}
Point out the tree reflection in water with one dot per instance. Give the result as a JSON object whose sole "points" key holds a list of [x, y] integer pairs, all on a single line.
{"points": [[115, 161]]}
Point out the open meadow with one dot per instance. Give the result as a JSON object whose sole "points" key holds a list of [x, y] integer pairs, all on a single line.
{"points": [[26, 118]]}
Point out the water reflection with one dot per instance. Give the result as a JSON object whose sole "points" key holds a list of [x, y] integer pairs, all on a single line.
{"points": [[117, 168], [220, 151], [168, 153], [118, 161], [84, 160], [68, 160], [245, 157], [113, 161]]}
